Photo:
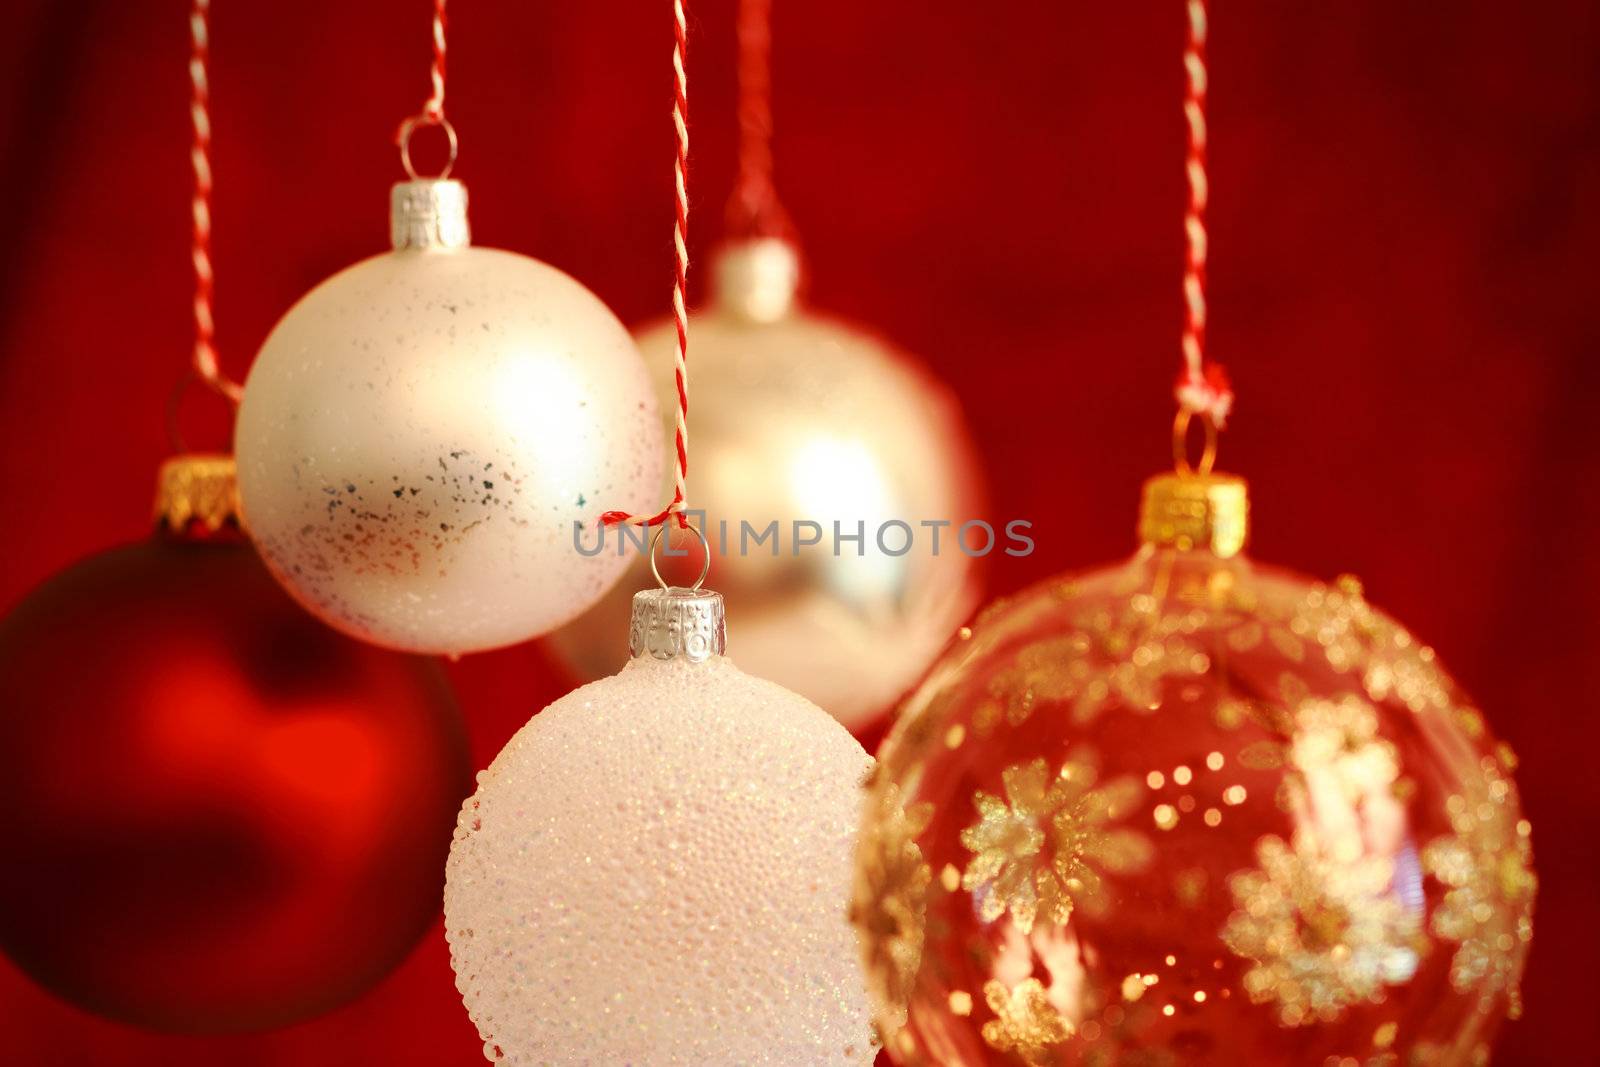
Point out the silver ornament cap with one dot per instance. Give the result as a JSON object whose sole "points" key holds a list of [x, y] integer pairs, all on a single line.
{"points": [[429, 214], [676, 623]]}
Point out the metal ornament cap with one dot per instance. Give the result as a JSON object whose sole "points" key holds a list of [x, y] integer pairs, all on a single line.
{"points": [[757, 280], [197, 487], [1190, 511], [429, 214], [676, 623]]}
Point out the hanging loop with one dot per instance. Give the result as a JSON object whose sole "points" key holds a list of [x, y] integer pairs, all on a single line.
{"points": [[705, 548], [173, 406], [409, 126], [1180, 444]]}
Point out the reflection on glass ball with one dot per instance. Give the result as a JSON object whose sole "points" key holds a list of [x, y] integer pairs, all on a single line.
{"points": [[800, 418], [1192, 810]]}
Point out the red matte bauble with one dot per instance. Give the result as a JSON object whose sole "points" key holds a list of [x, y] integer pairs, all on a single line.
{"points": [[216, 814]]}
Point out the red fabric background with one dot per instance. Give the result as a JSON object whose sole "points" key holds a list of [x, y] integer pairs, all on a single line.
{"points": [[1405, 212]]}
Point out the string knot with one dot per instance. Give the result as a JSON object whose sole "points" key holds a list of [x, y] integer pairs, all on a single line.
{"points": [[1206, 393], [677, 509]]}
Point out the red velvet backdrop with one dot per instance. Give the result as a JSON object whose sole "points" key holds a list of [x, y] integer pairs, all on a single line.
{"points": [[1405, 211]]}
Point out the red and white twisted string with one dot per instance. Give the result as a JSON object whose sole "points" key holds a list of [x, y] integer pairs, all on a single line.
{"points": [[433, 107], [432, 111], [206, 365], [754, 209], [1202, 388], [680, 282]]}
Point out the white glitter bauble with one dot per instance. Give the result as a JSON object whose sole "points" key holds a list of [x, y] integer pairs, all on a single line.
{"points": [[656, 870], [421, 431], [798, 417]]}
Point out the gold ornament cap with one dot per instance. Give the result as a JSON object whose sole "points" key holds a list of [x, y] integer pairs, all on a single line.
{"points": [[199, 488], [1188, 510], [756, 280], [429, 214]]}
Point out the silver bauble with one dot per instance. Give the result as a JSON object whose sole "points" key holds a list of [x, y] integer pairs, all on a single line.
{"points": [[421, 432], [797, 417]]}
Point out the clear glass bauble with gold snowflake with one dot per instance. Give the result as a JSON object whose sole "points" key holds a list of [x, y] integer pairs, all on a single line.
{"points": [[1192, 810]]}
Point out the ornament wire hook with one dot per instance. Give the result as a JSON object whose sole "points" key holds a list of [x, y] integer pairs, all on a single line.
{"points": [[705, 547], [1180, 444], [174, 403], [409, 126]]}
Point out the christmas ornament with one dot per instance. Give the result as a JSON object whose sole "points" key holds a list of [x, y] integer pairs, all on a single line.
{"points": [[803, 419], [655, 869], [421, 433], [217, 813], [1192, 810]]}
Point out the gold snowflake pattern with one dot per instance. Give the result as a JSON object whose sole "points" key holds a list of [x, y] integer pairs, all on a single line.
{"points": [[1343, 771], [1487, 869], [1464, 1051], [1064, 814], [1107, 657], [1358, 639], [890, 907], [1252, 631], [1026, 1024], [1321, 934], [1338, 741]]}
